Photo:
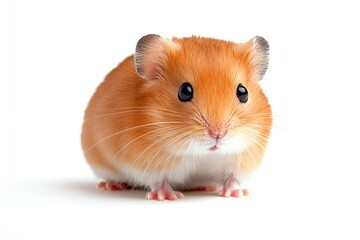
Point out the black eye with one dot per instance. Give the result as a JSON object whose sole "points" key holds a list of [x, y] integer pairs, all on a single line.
{"points": [[242, 93], [185, 92]]}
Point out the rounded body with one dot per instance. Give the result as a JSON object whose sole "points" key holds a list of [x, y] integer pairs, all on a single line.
{"points": [[139, 129]]}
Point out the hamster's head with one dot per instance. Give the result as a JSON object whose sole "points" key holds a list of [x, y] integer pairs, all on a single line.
{"points": [[205, 92]]}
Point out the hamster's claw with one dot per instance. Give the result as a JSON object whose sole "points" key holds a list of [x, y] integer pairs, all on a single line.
{"points": [[232, 188], [163, 191], [234, 193], [112, 186], [163, 195]]}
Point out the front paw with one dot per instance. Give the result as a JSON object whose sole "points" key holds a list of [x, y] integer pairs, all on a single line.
{"points": [[161, 195], [163, 191], [232, 188]]}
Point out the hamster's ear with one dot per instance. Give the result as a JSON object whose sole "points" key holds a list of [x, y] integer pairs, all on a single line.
{"points": [[150, 56], [258, 56]]}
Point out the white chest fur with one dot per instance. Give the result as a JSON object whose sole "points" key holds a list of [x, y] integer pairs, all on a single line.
{"points": [[192, 171]]}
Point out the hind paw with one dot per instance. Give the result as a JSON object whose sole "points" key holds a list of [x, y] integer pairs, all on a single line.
{"points": [[112, 186]]}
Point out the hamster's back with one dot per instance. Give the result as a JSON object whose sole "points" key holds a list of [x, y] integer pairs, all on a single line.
{"points": [[115, 96]]}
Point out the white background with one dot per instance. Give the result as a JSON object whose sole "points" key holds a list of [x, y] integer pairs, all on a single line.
{"points": [[55, 53]]}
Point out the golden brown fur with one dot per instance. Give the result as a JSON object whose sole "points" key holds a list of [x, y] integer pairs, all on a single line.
{"points": [[135, 121]]}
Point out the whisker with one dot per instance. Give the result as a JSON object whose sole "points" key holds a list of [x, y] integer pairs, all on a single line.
{"points": [[254, 125], [146, 111], [127, 130], [176, 148], [151, 145], [254, 116], [153, 157], [168, 145], [232, 113], [174, 145], [258, 134], [156, 131], [246, 152], [198, 113], [253, 141]]}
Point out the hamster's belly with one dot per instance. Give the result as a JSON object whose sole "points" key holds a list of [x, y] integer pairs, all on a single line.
{"points": [[191, 172], [205, 170]]}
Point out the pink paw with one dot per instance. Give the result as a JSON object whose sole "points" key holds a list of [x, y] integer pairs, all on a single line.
{"points": [[234, 193], [163, 191], [164, 195], [232, 188], [112, 186]]}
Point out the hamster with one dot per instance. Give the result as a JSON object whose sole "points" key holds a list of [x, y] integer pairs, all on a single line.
{"points": [[180, 114]]}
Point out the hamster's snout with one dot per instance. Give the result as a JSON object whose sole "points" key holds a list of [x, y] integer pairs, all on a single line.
{"points": [[217, 133]]}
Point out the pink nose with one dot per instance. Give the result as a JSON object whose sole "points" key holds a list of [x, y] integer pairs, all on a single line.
{"points": [[217, 133]]}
